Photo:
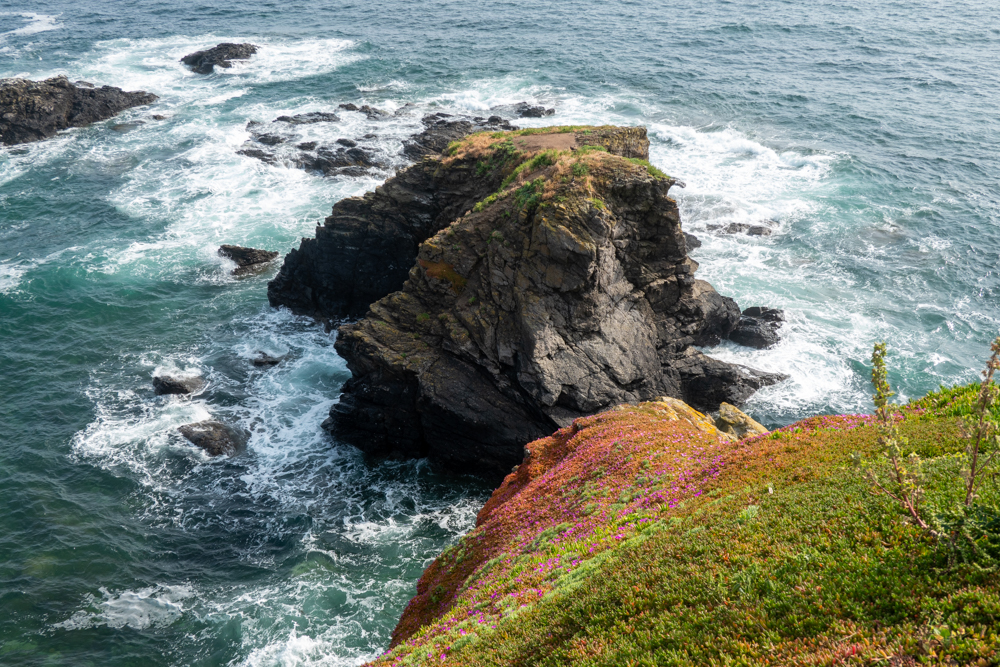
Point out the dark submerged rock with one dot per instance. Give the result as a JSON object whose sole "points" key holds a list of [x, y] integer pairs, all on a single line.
{"points": [[214, 437], [169, 384], [247, 259], [265, 360], [308, 118], [36, 110], [205, 62], [344, 158], [745, 228], [269, 139], [369, 111], [516, 318]]}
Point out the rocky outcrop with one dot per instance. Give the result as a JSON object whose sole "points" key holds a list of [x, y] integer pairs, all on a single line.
{"points": [[169, 384], [278, 143], [247, 259], [556, 284], [441, 129], [365, 249], [36, 110], [525, 110], [214, 437], [737, 424], [205, 62], [758, 327]]}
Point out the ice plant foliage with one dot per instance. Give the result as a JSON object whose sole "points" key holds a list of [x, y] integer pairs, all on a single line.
{"points": [[635, 537]]}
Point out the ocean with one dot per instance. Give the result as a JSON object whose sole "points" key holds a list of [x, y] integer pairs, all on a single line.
{"points": [[863, 134]]}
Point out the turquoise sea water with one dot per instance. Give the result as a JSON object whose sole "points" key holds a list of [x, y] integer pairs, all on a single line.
{"points": [[867, 131]]}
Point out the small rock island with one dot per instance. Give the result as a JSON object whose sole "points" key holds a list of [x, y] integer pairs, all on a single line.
{"points": [[507, 286]]}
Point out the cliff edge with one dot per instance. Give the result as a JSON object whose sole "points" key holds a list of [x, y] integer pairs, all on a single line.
{"points": [[641, 536]]}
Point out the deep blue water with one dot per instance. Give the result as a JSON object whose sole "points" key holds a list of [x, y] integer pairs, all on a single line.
{"points": [[865, 133]]}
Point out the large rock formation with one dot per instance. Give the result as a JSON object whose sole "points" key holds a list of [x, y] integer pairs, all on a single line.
{"points": [[551, 281], [36, 110], [205, 62], [364, 250]]}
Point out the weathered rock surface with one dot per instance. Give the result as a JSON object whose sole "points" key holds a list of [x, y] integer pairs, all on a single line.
{"points": [[758, 327], [205, 62], [309, 118], [765, 229], [442, 129], [247, 259], [35, 110], [365, 249], [169, 384], [734, 422], [566, 292], [214, 437], [369, 111], [525, 110]]}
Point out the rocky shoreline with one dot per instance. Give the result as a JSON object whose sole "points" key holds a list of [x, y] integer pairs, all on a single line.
{"points": [[36, 110], [507, 286]]}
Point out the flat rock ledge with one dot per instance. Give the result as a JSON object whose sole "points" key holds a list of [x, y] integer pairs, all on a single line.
{"points": [[223, 55], [36, 110], [509, 285]]}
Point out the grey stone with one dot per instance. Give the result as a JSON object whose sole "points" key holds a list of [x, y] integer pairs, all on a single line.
{"points": [[205, 62], [36, 110]]}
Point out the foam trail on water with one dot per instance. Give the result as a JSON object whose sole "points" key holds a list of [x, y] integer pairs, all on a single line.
{"points": [[36, 23], [154, 606]]}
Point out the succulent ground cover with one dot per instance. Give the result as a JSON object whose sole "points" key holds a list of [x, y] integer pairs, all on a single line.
{"points": [[639, 537]]}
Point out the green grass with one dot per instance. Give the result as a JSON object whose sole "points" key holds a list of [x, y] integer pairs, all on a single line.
{"points": [[632, 540], [655, 172]]}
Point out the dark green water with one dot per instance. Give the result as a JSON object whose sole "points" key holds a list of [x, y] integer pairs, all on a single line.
{"points": [[867, 132]]}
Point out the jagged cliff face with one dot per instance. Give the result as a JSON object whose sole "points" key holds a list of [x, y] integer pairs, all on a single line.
{"points": [[564, 292], [365, 249]]}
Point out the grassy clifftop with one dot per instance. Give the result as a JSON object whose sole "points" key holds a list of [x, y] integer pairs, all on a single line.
{"points": [[640, 537]]}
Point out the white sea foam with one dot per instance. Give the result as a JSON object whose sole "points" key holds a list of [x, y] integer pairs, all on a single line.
{"points": [[153, 606], [36, 23], [11, 274]]}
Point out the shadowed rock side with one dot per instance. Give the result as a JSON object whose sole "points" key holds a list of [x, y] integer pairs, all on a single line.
{"points": [[36, 110], [566, 292], [364, 250]]}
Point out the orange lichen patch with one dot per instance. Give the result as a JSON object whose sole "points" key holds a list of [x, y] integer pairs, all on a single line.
{"points": [[444, 271], [560, 141]]}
